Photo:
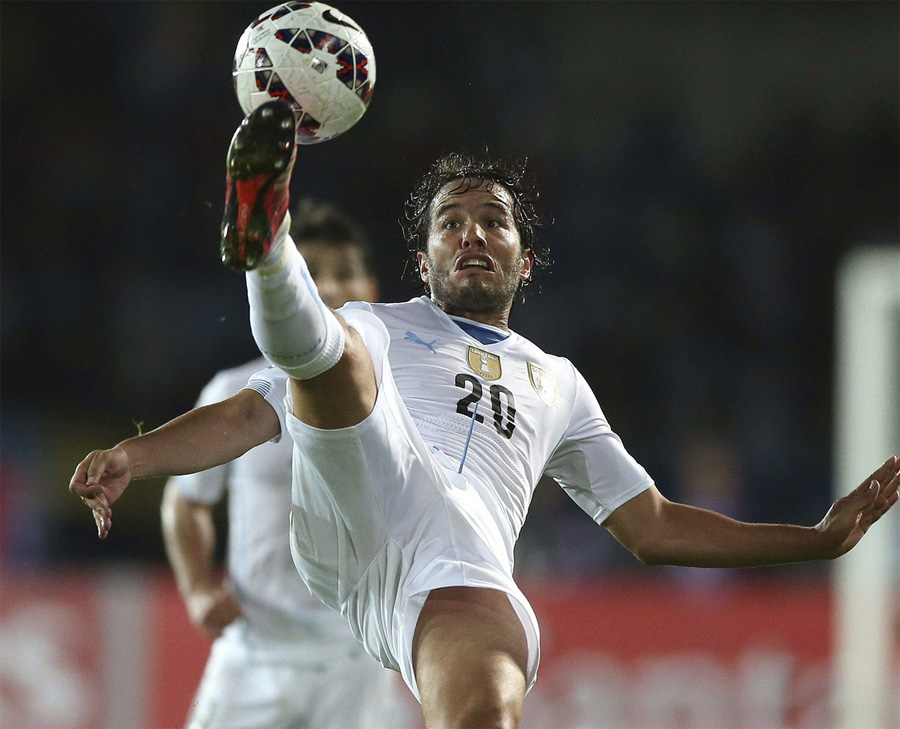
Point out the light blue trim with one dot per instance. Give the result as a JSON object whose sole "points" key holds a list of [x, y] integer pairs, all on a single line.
{"points": [[484, 333], [468, 438]]}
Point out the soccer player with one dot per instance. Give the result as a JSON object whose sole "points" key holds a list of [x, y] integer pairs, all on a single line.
{"points": [[421, 428], [280, 658]]}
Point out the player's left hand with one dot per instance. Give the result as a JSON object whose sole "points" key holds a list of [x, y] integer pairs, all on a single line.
{"points": [[850, 517]]}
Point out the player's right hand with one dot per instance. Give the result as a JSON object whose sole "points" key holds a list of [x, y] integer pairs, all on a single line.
{"points": [[211, 611], [98, 481]]}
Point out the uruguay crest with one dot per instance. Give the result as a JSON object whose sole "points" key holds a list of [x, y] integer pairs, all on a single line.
{"points": [[544, 383], [485, 364]]}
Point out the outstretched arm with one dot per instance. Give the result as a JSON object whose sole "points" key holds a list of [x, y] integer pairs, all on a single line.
{"points": [[200, 439], [659, 531], [190, 537]]}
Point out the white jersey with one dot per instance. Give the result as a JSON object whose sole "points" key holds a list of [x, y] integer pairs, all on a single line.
{"points": [[535, 413], [274, 599]]}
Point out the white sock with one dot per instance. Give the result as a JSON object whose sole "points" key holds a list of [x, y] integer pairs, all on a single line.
{"points": [[293, 329]]}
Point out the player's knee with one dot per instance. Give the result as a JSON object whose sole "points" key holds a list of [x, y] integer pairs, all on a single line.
{"points": [[490, 711], [354, 365], [482, 695], [342, 395], [474, 715]]}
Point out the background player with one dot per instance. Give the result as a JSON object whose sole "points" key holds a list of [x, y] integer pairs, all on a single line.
{"points": [[280, 657]]}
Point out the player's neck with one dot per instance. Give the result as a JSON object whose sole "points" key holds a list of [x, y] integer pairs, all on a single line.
{"points": [[499, 319]]}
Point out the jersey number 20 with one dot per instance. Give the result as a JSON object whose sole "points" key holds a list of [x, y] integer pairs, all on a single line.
{"points": [[502, 403]]}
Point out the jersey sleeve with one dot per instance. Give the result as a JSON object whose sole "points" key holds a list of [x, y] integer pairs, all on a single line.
{"points": [[208, 486], [591, 463], [272, 384]]}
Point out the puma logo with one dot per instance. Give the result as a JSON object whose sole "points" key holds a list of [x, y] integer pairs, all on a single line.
{"points": [[413, 337]]}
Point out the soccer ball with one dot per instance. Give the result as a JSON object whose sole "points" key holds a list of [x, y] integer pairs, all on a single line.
{"points": [[311, 56]]}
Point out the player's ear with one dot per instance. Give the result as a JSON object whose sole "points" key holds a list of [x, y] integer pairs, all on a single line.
{"points": [[422, 263], [526, 264]]}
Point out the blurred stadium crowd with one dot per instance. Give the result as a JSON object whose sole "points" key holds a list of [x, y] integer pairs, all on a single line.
{"points": [[706, 165]]}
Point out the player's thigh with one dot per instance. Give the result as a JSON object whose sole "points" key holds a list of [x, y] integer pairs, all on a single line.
{"points": [[470, 653]]}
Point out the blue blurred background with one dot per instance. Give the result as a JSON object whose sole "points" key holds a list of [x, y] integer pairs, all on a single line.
{"points": [[707, 166]]}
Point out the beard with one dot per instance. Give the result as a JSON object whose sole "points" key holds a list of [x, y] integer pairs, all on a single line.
{"points": [[475, 295]]}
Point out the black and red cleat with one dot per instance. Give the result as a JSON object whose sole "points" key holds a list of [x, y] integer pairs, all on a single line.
{"points": [[259, 163]]}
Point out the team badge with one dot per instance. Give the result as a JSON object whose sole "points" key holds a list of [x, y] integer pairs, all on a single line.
{"points": [[544, 383], [485, 364]]}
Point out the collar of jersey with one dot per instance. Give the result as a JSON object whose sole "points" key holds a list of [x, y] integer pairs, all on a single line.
{"points": [[484, 333]]}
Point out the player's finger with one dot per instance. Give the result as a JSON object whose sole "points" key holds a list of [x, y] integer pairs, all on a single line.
{"points": [[875, 514], [865, 494], [99, 504], [876, 491], [104, 524], [887, 496], [97, 467], [89, 495], [80, 476], [886, 471], [886, 502], [893, 484], [883, 473]]}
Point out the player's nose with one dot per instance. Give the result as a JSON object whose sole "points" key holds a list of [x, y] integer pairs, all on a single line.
{"points": [[472, 236]]}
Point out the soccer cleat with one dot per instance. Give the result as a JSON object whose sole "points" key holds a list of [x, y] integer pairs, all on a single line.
{"points": [[259, 164]]}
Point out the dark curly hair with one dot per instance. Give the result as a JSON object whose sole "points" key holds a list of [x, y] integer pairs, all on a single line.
{"points": [[313, 221], [472, 172]]}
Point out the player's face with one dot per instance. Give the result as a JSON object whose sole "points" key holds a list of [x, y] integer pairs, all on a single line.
{"points": [[339, 272], [474, 260]]}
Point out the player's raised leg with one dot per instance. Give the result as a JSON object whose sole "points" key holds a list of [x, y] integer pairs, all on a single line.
{"points": [[470, 654], [332, 375]]}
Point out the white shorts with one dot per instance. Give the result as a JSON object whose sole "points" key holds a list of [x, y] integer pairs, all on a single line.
{"points": [[379, 519], [252, 682]]}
